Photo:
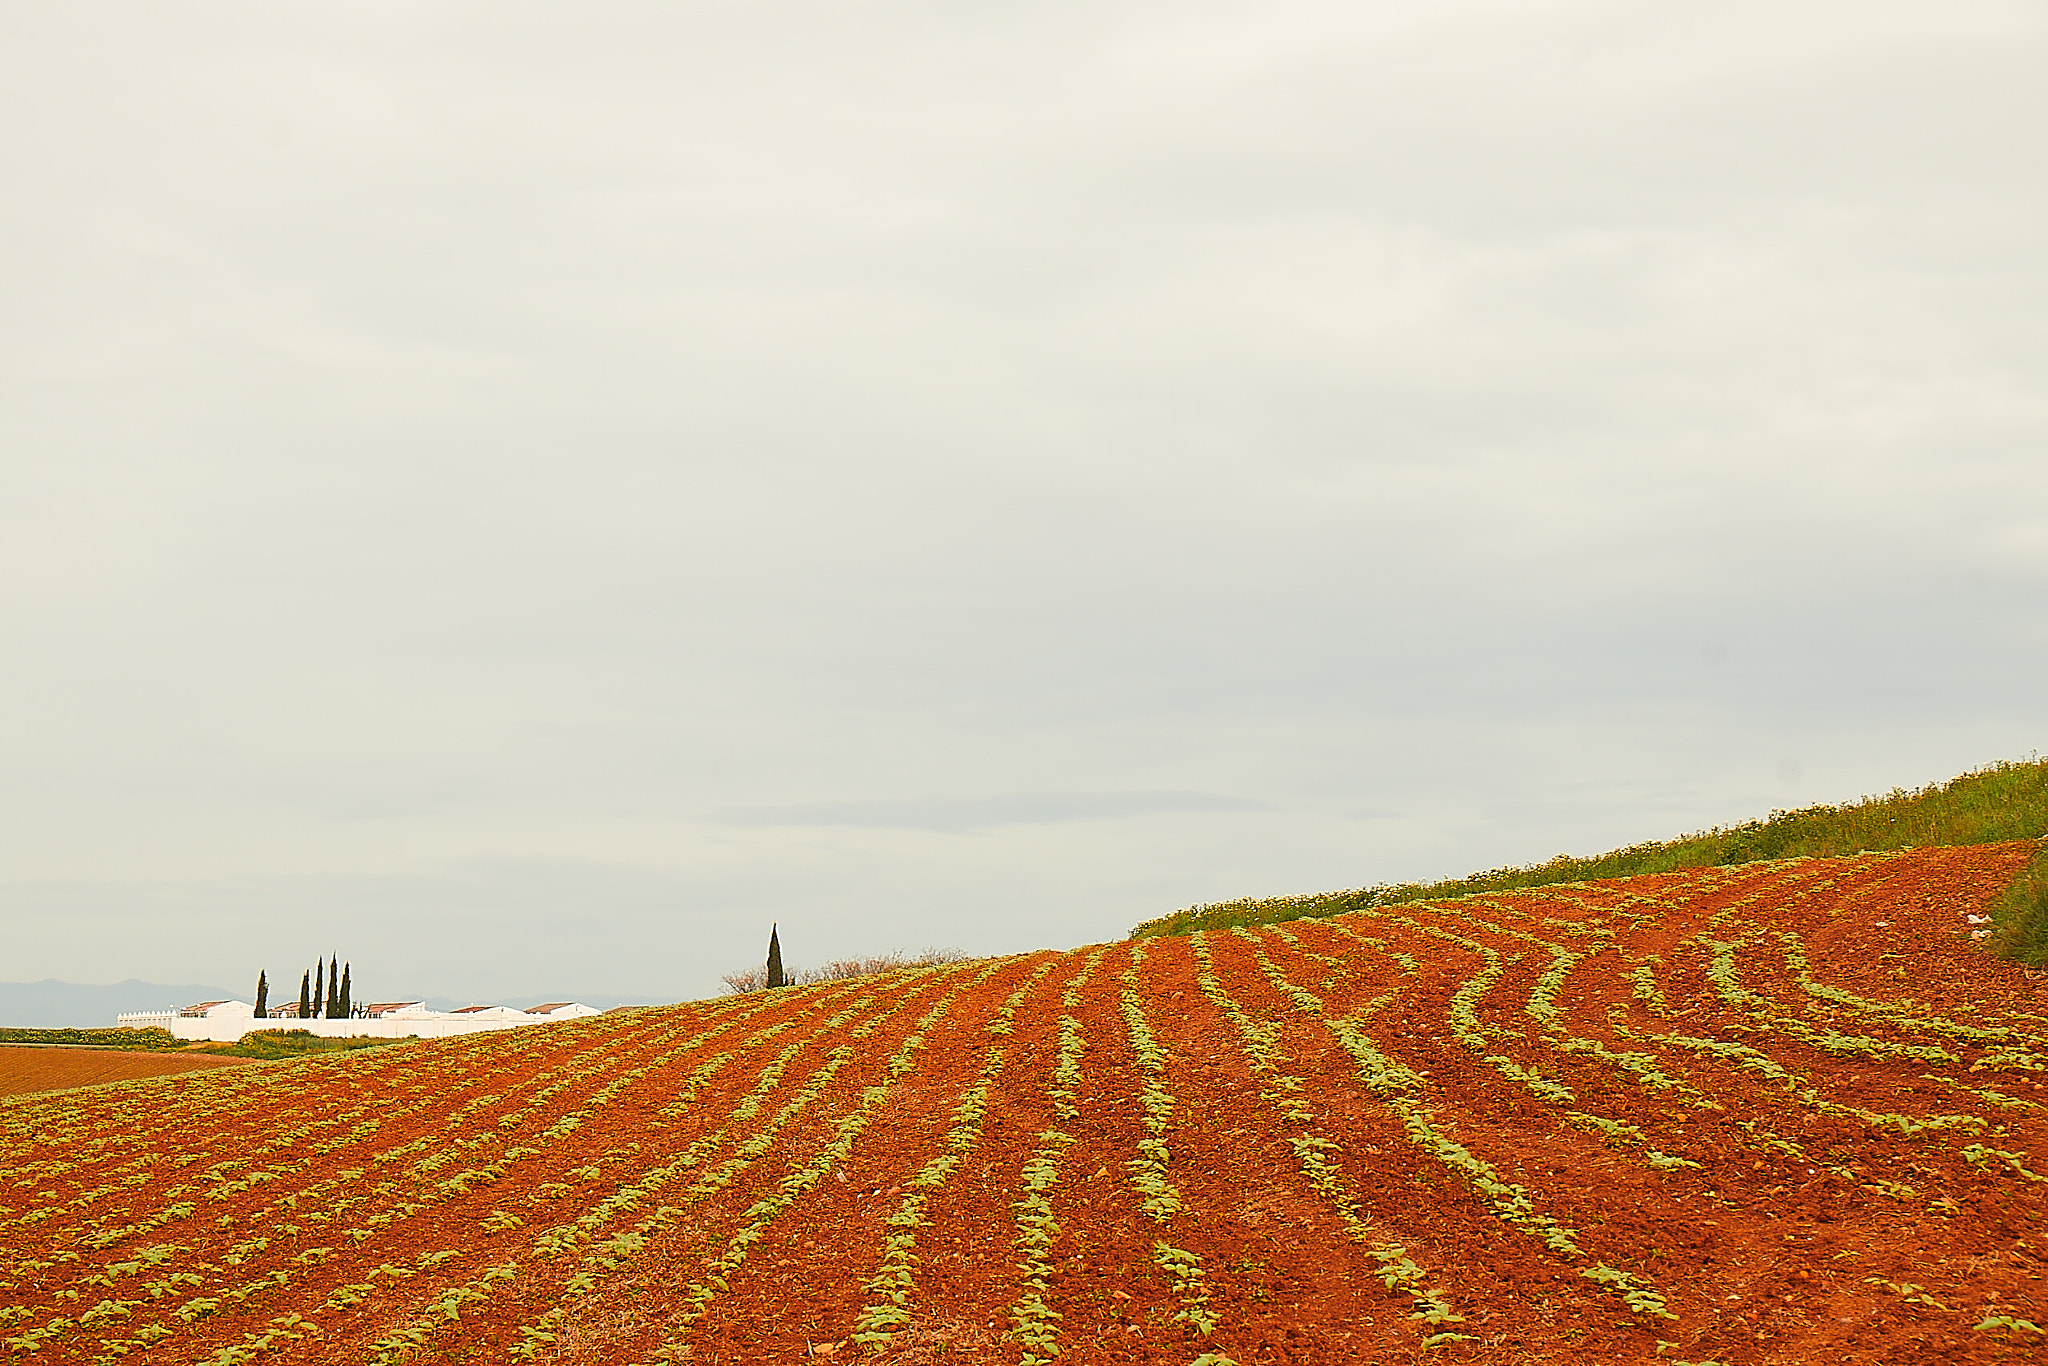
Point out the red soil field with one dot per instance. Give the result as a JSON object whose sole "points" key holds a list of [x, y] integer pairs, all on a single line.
{"points": [[1782, 1112], [26, 1068]]}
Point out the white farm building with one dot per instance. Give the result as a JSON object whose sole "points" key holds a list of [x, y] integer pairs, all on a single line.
{"points": [[227, 1021]]}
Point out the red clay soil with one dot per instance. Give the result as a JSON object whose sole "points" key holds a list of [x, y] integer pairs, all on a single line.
{"points": [[28, 1068], [1783, 1112]]}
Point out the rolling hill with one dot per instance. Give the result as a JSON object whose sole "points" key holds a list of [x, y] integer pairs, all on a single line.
{"points": [[1781, 1111]]}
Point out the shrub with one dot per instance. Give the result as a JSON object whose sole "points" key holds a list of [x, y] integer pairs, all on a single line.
{"points": [[2019, 915], [271, 1044]]}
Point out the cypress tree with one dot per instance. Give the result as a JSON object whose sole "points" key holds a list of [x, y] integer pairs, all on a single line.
{"points": [[319, 989], [775, 977], [348, 1007], [333, 990], [305, 994], [262, 993]]}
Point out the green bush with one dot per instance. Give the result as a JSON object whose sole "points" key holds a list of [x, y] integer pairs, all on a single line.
{"points": [[272, 1044], [2019, 916]]}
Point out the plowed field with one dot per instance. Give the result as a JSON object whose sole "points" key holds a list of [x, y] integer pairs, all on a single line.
{"points": [[1782, 1112], [25, 1068]]}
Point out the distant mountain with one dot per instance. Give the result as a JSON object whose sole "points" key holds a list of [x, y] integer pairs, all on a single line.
{"points": [[51, 1004]]}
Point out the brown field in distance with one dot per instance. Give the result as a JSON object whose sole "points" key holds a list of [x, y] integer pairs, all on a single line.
{"points": [[41, 1068]]}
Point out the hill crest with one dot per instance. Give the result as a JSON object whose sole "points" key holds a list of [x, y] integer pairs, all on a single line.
{"points": [[2002, 801], [1774, 1111]]}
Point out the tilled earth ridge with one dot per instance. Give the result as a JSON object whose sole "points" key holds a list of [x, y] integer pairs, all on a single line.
{"points": [[1782, 1112]]}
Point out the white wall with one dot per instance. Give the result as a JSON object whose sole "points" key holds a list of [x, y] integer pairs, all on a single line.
{"points": [[229, 1028], [389, 1027], [429, 1027]]}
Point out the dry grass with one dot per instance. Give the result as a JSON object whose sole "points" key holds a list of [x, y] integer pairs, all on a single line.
{"points": [[840, 969]]}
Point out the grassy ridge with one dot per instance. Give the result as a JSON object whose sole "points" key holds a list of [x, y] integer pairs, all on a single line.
{"points": [[2004, 801]]}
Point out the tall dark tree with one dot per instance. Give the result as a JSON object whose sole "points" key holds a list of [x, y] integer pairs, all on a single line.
{"points": [[775, 977], [348, 1006], [319, 989], [333, 989], [262, 994], [305, 994]]}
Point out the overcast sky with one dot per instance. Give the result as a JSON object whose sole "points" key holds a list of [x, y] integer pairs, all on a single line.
{"points": [[525, 495]]}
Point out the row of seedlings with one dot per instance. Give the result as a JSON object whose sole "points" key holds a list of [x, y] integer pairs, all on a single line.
{"points": [[1157, 1194], [446, 1304], [1035, 1323], [1400, 1089], [323, 1208], [1316, 1155], [630, 1190], [342, 1193], [894, 1281], [1762, 1015], [601, 1260], [1641, 1069], [105, 1234], [762, 1215]]}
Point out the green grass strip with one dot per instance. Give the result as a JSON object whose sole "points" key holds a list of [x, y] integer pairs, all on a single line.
{"points": [[2002, 801]]}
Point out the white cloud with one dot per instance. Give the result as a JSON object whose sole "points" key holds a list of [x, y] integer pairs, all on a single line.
{"points": [[649, 469]]}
